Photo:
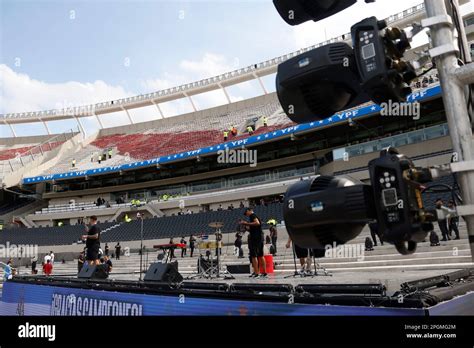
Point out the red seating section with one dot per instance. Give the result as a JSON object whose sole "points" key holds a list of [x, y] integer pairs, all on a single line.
{"points": [[12, 153], [145, 146]]}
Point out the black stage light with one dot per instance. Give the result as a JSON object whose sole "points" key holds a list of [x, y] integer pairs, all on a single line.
{"points": [[318, 83], [378, 52], [400, 214], [328, 211], [325, 80], [295, 12]]}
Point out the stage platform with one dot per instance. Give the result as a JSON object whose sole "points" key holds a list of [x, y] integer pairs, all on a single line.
{"points": [[438, 293]]}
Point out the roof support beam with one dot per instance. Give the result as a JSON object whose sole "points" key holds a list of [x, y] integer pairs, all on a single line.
{"points": [[190, 100], [128, 115], [98, 120], [159, 109], [45, 126], [80, 126], [11, 129], [225, 93], [261, 83]]}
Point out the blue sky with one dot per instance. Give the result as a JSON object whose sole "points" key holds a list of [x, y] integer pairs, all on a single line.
{"points": [[67, 53]]}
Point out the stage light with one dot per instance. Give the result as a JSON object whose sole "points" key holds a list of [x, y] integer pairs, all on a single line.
{"points": [[329, 211], [295, 12], [325, 80], [318, 83], [383, 74]]}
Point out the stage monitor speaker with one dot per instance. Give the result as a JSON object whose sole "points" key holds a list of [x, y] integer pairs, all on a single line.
{"points": [[163, 272], [238, 269], [93, 272], [222, 287], [261, 288]]}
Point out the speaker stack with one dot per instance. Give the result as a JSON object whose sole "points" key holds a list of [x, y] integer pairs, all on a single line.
{"points": [[93, 272], [163, 273]]}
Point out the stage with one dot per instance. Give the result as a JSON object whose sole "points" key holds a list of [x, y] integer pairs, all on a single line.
{"points": [[448, 293]]}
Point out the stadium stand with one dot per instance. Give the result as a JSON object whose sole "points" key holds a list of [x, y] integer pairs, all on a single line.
{"points": [[32, 150], [162, 227], [174, 138], [11, 206]]}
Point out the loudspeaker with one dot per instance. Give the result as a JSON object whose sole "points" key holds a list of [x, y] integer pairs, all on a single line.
{"points": [[163, 272], [238, 269], [93, 272]]}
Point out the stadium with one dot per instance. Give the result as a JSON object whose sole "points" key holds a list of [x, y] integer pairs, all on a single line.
{"points": [[157, 187]]}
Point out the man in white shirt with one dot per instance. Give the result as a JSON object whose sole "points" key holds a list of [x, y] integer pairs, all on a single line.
{"points": [[46, 258], [51, 254]]}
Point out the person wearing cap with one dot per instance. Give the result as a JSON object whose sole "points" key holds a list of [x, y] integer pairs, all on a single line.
{"points": [[256, 242]]}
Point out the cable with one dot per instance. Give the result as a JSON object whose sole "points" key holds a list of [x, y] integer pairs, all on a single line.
{"points": [[425, 72]]}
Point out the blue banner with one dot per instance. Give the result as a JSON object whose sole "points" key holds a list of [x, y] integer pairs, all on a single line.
{"points": [[363, 111], [30, 299]]}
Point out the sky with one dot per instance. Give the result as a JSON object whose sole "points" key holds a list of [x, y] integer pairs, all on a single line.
{"points": [[56, 54]]}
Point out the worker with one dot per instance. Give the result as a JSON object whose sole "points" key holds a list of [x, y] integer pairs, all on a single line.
{"points": [[265, 121], [250, 130], [226, 135], [74, 163], [99, 159], [272, 222], [126, 218], [110, 153]]}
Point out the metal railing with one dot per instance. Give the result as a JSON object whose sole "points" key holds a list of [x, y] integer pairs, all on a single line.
{"points": [[398, 140]]}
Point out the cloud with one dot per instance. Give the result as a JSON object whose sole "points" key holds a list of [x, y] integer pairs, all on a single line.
{"points": [[209, 65], [20, 93]]}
